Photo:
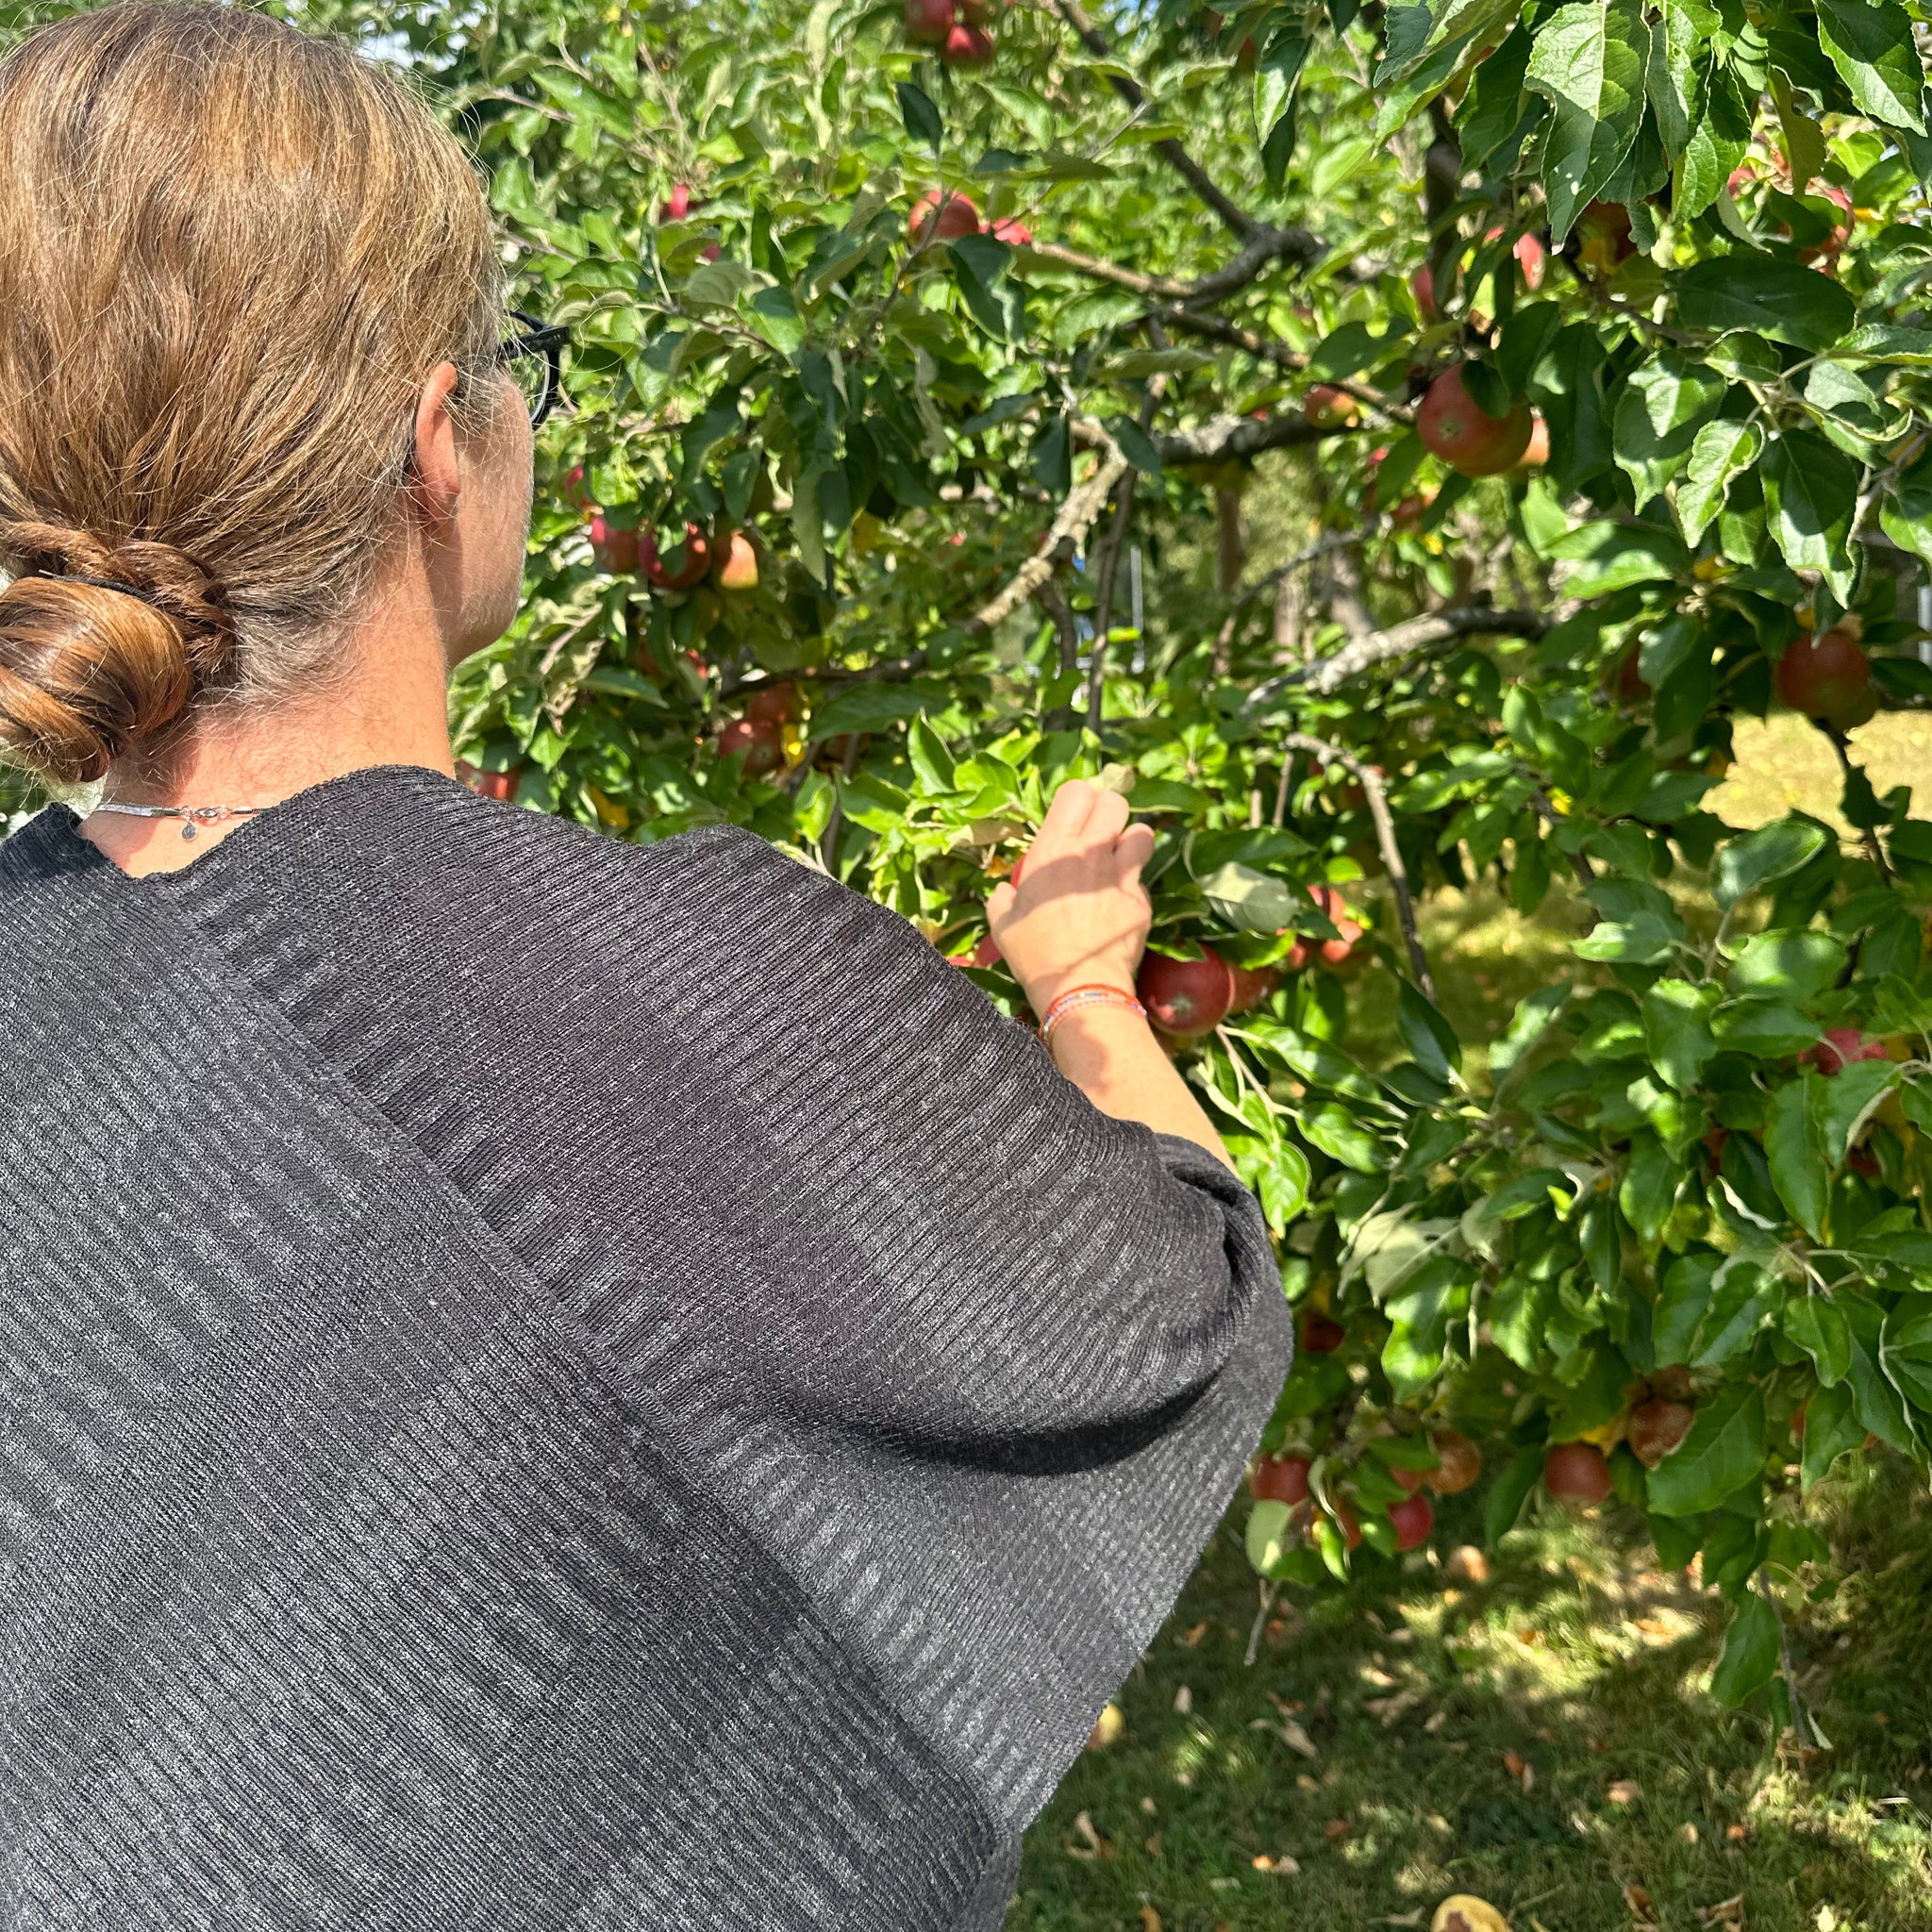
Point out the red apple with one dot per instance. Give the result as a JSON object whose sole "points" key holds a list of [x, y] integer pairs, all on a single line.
{"points": [[1280, 1479], [1656, 1428], [1015, 234], [1839, 1048], [967, 46], [1458, 1462], [1413, 1520], [1575, 1472], [1451, 428], [1828, 678], [933, 219], [985, 954], [676, 205], [1330, 952], [615, 551], [760, 740], [499, 785], [1186, 997], [1538, 451], [693, 558], [1421, 285], [735, 565], [1344, 1519], [1531, 256], [1320, 1334], [777, 703], [1328, 408], [928, 22], [1252, 985], [576, 492]]}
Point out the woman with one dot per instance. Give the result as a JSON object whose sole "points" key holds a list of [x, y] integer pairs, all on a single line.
{"points": [[543, 1382]]}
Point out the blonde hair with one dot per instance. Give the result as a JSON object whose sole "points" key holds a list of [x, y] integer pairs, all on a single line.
{"points": [[230, 255]]}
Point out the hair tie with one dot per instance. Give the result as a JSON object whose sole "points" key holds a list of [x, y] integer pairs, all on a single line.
{"points": [[146, 597]]}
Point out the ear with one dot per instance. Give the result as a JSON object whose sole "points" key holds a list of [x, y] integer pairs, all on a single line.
{"points": [[435, 474]]}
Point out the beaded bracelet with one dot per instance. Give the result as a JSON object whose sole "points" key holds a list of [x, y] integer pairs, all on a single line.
{"points": [[1088, 996]]}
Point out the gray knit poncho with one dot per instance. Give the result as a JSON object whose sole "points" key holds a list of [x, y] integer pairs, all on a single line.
{"points": [[548, 1383]]}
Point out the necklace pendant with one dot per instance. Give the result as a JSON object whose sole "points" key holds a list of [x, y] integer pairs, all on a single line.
{"points": [[188, 830]]}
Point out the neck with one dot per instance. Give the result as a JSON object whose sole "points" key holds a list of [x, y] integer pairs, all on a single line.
{"points": [[391, 710]]}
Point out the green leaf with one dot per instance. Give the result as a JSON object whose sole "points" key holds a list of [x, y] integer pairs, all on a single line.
{"points": [[1427, 1036], [1831, 1427], [1794, 1144], [1527, 1025], [1870, 44], [1817, 1325], [1284, 1189], [931, 760], [1252, 900], [1667, 399], [923, 121], [1646, 941], [1744, 865], [1845, 1099], [1780, 299], [1052, 459], [1676, 77], [1722, 1452], [1798, 964], [1716, 145], [1676, 1025], [1508, 1494], [1270, 1538], [1770, 1029], [1906, 1350], [1720, 453], [1750, 1657], [1588, 59], [1810, 495], [1650, 1185], [1335, 1132]]}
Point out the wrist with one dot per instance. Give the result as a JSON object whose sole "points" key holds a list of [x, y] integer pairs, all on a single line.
{"points": [[1090, 996]]}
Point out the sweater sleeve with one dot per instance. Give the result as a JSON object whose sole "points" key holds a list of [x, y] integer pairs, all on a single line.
{"points": [[959, 1250], [1000, 1357]]}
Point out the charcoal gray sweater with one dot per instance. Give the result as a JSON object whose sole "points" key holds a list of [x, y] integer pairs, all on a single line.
{"points": [[547, 1383]]}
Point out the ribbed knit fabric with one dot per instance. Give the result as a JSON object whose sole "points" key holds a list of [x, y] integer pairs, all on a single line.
{"points": [[547, 1383]]}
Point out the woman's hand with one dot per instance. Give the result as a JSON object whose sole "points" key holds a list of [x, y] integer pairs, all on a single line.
{"points": [[1079, 914]]}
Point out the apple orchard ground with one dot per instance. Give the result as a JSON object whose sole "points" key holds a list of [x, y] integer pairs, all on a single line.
{"points": [[1542, 1738]]}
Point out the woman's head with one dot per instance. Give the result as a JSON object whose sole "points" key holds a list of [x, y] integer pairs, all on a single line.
{"points": [[234, 258]]}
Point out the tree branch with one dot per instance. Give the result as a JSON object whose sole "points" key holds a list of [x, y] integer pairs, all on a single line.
{"points": [[1172, 152], [1408, 639], [1291, 361], [1369, 779], [1221, 438], [1075, 518], [1103, 602]]}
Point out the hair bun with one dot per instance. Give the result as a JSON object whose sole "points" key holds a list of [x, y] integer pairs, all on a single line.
{"points": [[87, 670]]}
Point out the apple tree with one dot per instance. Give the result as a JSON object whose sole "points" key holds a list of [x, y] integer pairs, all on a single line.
{"points": [[931, 366]]}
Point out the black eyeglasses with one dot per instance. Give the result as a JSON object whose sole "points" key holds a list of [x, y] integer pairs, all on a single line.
{"points": [[535, 357]]}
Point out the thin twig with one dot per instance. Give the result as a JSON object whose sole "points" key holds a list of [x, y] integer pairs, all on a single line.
{"points": [[1171, 151], [1103, 602], [1260, 1622], [1800, 1729], [1369, 780]]}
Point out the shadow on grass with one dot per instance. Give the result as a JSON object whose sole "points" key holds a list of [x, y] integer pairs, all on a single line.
{"points": [[1543, 1738]]}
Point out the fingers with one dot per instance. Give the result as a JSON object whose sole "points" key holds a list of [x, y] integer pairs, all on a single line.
{"points": [[1109, 817], [1131, 851], [1066, 817], [999, 903]]}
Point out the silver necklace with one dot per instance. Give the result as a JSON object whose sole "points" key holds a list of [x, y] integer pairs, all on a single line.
{"points": [[192, 815]]}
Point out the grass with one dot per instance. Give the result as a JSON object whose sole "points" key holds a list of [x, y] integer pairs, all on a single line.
{"points": [[1542, 1738]]}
